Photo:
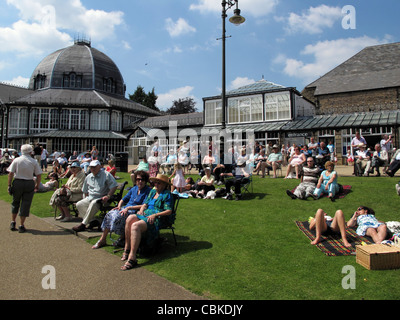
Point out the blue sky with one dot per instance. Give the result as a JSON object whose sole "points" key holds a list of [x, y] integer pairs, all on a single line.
{"points": [[172, 46]]}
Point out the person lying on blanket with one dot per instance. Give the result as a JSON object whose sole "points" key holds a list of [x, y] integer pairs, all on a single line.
{"points": [[368, 224], [324, 224]]}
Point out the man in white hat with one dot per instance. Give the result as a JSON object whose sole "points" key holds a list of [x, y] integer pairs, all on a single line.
{"points": [[363, 160], [99, 184]]}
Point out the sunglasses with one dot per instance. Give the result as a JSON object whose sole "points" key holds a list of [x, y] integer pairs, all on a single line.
{"points": [[360, 208], [139, 179]]}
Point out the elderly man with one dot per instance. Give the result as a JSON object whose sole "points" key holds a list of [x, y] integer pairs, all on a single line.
{"points": [[309, 179], [273, 162], [379, 159], [323, 155], [98, 185], [22, 185], [363, 161]]}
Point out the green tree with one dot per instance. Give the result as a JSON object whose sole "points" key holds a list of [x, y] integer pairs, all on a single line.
{"points": [[186, 105], [146, 99]]}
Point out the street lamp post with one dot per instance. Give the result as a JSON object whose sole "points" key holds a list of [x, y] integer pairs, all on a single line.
{"points": [[237, 19]]}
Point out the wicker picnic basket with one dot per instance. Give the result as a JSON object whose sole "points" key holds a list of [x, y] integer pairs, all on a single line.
{"points": [[378, 256]]}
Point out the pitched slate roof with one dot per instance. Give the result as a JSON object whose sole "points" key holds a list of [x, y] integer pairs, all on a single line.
{"points": [[80, 134], [9, 92], [261, 86], [353, 120], [374, 67], [82, 98]]}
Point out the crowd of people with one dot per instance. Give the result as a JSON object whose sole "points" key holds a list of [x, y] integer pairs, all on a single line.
{"points": [[155, 179]]}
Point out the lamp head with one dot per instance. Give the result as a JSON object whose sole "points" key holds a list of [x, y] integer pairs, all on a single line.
{"points": [[237, 19]]}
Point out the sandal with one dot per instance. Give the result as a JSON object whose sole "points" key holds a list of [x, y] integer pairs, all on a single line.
{"points": [[130, 264], [125, 255], [99, 245]]}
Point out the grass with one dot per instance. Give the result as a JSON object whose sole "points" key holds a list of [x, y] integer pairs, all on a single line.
{"points": [[252, 249]]}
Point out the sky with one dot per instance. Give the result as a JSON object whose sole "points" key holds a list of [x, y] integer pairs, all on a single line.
{"points": [[174, 46]]}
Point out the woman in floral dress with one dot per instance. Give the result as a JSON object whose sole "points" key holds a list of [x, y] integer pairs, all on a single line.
{"points": [[368, 225], [146, 223]]}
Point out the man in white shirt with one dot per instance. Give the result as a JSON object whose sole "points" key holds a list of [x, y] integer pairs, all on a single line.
{"points": [[98, 185], [363, 160], [22, 185]]}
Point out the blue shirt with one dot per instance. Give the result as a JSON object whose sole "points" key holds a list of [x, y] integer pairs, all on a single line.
{"points": [[132, 198], [97, 186]]}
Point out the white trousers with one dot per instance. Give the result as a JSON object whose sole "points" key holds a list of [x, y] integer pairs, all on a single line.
{"points": [[87, 209]]}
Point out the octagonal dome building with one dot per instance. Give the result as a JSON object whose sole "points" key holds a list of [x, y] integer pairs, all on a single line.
{"points": [[75, 100]]}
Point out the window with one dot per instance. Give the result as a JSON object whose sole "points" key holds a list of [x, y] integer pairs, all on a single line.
{"points": [[277, 106], [245, 109], [99, 120], [213, 112], [39, 81], [18, 121]]}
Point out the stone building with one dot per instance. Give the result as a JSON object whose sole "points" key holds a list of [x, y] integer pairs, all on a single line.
{"points": [[363, 93]]}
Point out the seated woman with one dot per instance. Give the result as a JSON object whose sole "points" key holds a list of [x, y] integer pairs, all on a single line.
{"points": [[52, 184], [71, 191], [368, 225], [324, 224], [114, 221], [296, 161], [111, 167], [146, 223], [327, 182], [57, 169], [205, 184], [85, 162]]}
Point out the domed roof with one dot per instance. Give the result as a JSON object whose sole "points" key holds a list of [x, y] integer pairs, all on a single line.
{"points": [[78, 67]]}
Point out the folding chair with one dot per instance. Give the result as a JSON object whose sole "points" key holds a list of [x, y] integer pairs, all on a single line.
{"points": [[247, 184]]}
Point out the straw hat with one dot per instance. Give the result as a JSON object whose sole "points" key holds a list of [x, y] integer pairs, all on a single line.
{"points": [[162, 178]]}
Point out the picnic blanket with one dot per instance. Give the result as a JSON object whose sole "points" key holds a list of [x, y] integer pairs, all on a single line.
{"points": [[332, 244], [343, 192]]}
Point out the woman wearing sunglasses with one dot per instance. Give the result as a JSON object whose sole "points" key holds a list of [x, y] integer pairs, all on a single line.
{"points": [[115, 220], [368, 225], [145, 223]]}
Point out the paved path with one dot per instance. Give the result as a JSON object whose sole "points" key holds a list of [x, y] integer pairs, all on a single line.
{"points": [[81, 273]]}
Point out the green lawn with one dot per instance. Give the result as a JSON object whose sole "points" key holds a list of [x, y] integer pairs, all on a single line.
{"points": [[252, 249]]}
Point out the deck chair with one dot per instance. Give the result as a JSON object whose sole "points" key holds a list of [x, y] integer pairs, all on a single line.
{"points": [[114, 200]]}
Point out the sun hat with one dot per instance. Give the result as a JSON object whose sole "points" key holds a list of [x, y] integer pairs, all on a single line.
{"points": [[162, 178], [94, 163], [75, 164]]}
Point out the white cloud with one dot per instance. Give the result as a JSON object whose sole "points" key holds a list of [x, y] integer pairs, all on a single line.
{"points": [[255, 8], [314, 20], [31, 39], [165, 100], [179, 27], [43, 24], [240, 82], [327, 55], [18, 81]]}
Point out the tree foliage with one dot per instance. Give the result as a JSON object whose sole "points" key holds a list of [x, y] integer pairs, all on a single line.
{"points": [[147, 99], [186, 105]]}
